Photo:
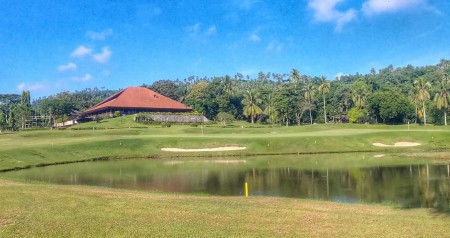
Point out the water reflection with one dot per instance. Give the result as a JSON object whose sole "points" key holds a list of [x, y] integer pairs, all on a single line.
{"points": [[410, 186]]}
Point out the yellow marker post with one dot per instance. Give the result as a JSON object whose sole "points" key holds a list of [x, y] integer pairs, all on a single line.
{"points": [[246, 189]]}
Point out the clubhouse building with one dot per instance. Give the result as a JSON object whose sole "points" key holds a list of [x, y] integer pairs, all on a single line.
{"points": [[134, 100]]}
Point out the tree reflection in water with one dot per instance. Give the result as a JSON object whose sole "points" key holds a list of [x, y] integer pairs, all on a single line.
{"points": [[408, 186]]}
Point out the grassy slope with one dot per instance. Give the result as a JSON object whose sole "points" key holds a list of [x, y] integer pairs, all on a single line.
{"points": [[50, 210], [46, 147], [67, 211]]}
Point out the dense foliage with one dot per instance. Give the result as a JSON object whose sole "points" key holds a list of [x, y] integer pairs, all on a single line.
{"points": [[390, 96]]}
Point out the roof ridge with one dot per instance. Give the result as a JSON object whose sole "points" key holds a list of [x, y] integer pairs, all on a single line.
{"points": [[109, 98]]}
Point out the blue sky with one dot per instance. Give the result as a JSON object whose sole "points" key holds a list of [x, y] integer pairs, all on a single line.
{"points": [[52, 46]]}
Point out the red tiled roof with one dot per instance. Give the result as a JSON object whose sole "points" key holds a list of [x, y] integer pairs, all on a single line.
{"points": [[138, 97]]}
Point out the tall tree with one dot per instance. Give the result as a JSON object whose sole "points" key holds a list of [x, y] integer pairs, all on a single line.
{"points": [[2, 121], [227, 85], [414, 97], [308, 93], [12, 120], [442, 98], [423, 86], [391, 107], [24, 109], [167, 88], [270, 110], [251, 108], [295, 77], [285, 103], [324, 89], [359, 97]]}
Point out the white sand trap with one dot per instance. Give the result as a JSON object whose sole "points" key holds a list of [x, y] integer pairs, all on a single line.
{"points": [[378, 156], [229, 148], [398, 144]]}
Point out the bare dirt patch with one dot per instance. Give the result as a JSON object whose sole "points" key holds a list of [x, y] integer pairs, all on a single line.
{"points": [[229, 148], [398, 144]]}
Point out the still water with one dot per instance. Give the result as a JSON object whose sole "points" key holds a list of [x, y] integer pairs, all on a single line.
{"points": [[407, 184]]}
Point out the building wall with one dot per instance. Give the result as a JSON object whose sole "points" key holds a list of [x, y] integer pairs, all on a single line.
{"points": [[178, 118]]}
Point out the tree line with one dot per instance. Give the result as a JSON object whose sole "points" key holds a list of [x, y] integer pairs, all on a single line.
{"points": [[389, 96], [16, 110]]}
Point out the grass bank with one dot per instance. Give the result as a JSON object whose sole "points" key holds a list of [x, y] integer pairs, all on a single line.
{"points": [[46, 210], [35, 148], [41, 210]]}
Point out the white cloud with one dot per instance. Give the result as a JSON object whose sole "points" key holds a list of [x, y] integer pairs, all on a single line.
{"points": [[211, 30], [31, 87], [325, 11], [274, 46], [81, 51], [102, 35], [67, 67], [85, 78], [371, 7], [104, 56], [254, 37], [194, 29]]}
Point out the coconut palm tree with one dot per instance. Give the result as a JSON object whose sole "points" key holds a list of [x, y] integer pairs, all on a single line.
{"points": [[270, 110], [295, 77], [359, 97], [324, 89], [442, 97], [422, 86], [414, 95], [227, 85], [308, 93], [251, 108]]}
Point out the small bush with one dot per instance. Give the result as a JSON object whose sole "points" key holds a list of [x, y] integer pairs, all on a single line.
{"points": [[166, 124], [224, 118], [97, 118]]}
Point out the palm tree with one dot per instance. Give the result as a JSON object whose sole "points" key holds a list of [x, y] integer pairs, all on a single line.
{"points": [[309, 96], [251, 108], [227, 85], [414, 95], [270, 110], [359, 97], [324, 89], [295, 77], [442, 97], [422, 86]]}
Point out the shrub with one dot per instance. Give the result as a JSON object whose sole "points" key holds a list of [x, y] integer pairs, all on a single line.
{"points": [[117, 114], [166, 124], [356, 115], [224, 118], [97, 118]]}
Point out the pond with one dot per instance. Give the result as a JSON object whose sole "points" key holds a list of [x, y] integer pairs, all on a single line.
{"points": [[360, 178]]}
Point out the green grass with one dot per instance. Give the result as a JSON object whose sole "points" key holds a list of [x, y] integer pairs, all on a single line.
{"points": [[45, 210], [31, 148], [42, 210]]}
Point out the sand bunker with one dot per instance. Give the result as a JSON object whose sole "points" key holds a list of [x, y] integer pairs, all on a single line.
{"points": [[378, 156], [229, 148], [398, 144]]}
